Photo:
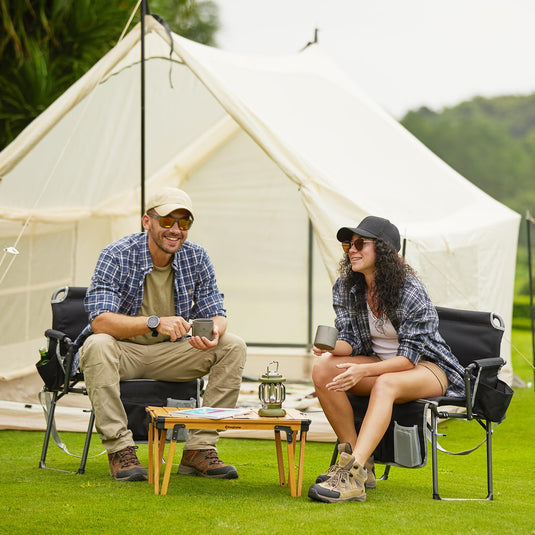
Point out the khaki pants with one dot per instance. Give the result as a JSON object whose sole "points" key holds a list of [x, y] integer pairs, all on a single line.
{"points": [[106, 361]]}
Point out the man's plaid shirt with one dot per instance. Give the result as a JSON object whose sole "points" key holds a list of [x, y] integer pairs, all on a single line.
{"points": [[416, 324], [118, 281]]}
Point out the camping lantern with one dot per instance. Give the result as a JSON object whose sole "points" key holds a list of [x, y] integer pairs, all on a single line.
{"points": [[272, 392]]}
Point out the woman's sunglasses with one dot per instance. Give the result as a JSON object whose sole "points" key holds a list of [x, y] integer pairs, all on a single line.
{"points": [[358, 244], [167, 221]]}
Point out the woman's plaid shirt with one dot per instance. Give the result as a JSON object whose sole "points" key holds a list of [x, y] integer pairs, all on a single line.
{"points": [[416, 324]]}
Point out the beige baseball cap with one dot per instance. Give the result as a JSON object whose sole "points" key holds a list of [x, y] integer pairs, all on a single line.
{"points": [[166, 200]]}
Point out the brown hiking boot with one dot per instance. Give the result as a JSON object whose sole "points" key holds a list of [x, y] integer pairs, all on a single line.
{"points": [[125, 466], [205, 463]]}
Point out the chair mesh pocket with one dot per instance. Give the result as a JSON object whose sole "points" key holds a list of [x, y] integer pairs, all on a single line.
{"points": [[492, 401], [406, 445], [51, 372]]}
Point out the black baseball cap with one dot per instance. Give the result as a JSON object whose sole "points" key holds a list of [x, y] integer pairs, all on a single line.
{"points": [[373, 227]]}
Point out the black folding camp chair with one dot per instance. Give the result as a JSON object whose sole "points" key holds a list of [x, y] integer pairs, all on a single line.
{"points": [[62, 377], [475, 339]]}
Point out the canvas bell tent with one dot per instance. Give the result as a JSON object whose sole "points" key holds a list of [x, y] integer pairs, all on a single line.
{"points": [[265, 146]]}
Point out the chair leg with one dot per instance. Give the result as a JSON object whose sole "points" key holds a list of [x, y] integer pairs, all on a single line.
{"points": [[51, 412], [434, 456], [488, 430], [386, 472], [48, 432], [434, 446], [88, 435]]}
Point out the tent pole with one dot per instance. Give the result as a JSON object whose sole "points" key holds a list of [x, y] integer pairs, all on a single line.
{"points": [[310, 276], [529, 221], [143, 13]]}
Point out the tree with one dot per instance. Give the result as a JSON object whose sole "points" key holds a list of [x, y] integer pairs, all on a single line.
{"points": [[489, 141], [195, 20], [46, 45]]}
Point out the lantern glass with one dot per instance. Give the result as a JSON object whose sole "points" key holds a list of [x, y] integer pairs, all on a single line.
{"points": [[272, 392]]}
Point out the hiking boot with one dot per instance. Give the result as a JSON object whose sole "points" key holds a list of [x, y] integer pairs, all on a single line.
{"points": [[205, 463], [345, 447], [125, 466], [345, 485], [371, 481]]}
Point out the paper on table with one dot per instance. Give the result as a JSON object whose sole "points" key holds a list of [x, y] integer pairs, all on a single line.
{"points": [[211, 413]]}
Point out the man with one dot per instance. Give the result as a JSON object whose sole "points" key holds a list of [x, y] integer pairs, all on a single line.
{"points": [[145, 290]]}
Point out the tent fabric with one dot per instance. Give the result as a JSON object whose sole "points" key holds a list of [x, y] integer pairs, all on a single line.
{"points": [[263, 145]]}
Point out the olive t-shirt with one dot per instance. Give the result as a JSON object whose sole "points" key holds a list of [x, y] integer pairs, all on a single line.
{"points": [[158, 300]]}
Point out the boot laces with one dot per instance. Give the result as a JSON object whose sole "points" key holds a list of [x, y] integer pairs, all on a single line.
{"points": [[333, 469], [128, 457], [340, 477], [212, 457]]}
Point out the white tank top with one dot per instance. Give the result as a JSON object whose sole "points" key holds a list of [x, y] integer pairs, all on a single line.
{"points": [[384, 337]]}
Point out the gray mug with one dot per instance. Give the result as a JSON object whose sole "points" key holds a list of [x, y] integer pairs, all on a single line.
{"points": [[326, 337], [203, 327]]}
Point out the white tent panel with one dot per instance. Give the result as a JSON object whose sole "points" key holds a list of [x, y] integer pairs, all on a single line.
{"points": [[262, 145], [251, 219]]}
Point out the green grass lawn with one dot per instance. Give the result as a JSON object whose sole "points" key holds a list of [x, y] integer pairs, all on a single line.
{"points": [[35, 500]]}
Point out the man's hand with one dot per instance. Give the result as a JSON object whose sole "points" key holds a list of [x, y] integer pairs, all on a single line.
{"points": [[202, 343], [174, 326]]}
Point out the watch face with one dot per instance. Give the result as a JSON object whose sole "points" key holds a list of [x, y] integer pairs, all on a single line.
{"points": [[153, 322]]}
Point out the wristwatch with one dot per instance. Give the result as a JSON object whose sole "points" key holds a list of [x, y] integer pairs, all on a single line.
{"points": [[152, 324]]}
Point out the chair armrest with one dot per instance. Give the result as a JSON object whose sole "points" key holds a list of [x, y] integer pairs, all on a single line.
{"points": [[492, 362], [58, 335]]}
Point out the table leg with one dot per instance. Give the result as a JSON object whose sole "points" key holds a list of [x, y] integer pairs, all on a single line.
{"points": [[168, 466], [157, 459], [151, 453], [301, 462], [280, 460], [161, 449], [291, 464]]}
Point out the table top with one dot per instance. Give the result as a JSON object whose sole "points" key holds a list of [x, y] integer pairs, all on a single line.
{"points": [[251, 420]]}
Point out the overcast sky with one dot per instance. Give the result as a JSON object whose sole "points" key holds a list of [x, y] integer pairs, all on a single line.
{"points": [[403, 53]]}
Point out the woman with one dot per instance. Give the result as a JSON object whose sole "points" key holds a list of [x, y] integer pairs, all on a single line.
{"points": [[388, 348]]}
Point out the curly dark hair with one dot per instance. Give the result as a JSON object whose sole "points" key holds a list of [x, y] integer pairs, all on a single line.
{"points": [[390, 274]]}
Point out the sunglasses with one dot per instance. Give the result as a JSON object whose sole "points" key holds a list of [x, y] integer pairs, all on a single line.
{"points": [[358, 244], [167, 221]]}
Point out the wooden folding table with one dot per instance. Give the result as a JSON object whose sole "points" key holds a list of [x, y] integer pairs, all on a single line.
{"points": [[164, 418]]}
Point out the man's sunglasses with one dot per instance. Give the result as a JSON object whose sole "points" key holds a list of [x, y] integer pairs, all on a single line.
{"points": [[358, 244], [167, 221]]}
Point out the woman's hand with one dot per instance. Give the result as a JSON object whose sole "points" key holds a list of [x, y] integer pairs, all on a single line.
{"points": [[341, 349], [350, 376]]}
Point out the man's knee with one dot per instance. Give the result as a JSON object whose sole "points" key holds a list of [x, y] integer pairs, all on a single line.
{"points": [[96, 348], [234, 347]]}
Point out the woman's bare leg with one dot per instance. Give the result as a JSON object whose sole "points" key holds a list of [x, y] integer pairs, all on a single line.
{"points": [[390, 388], [336, 405]]}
